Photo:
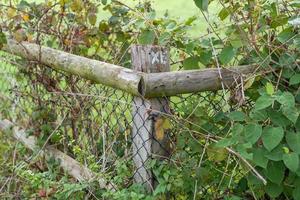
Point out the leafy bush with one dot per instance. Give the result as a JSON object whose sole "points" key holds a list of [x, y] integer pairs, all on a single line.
{"points": [[217, 142]]}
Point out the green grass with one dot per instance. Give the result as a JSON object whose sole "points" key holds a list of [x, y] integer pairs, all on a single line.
{"points": [[178, 9], [181, 10]]}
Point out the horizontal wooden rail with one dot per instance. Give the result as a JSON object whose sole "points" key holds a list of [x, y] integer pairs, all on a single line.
{"points": [[71, 166], [133, 82], [97, 71], [182, 82]]}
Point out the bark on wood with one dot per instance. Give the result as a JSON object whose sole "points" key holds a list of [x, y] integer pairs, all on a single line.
{"points": [[100, 72], [181, 82], [146, 112], [157, 84], [71, 166]]}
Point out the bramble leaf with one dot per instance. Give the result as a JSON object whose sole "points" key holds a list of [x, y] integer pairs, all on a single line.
{"points": [[273, 190], [286, 99], [227, 54], [271, 137], [237, 116], [191, 63], [259, 158], [275, 172], [263, 102], [291, 113], [147, 37], [295, 79], [291, 161], [202, 4], [293, 140], [252, 132]]}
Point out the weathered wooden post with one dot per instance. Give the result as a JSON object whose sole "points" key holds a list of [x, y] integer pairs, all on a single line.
{"points": [[148, 136]]}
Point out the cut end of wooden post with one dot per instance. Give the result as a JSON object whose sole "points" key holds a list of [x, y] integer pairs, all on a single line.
{"points": [[141, 87]]}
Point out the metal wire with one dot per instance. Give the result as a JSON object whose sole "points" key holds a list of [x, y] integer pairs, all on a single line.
{"points": [[107, 126]]}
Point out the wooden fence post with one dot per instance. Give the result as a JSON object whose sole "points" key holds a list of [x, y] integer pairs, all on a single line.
{"points": [[148, 137]]}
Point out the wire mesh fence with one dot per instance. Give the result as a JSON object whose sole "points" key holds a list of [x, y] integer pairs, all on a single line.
{"points": [[129, 138]]}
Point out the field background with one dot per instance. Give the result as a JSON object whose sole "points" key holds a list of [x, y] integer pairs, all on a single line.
{"points": [[179, 9]]}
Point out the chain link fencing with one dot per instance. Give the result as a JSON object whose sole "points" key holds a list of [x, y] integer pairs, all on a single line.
{"points": [[125, 137]]}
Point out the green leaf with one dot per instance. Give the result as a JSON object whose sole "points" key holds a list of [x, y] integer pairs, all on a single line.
{"points": [[237, 131], [161, 188], [2, 39], [293, 140], [286, 35], [224, 142], [263, 102], [252, 132], [273, 190], [223, 14], [296, 192], [147, 37], [236, 40], [171, 26], [164, 38], [92, 51], [258, 115], [291, 161], [190, 47], [272, 136], [259, 157], [237, 116], [291, 113], [270, 89], [287, 59], [277, 118], [191, 63], [23, 4], [202, 4], [194, 146], [77, 6], [287, 73], [295, 79], [249, 83], [190, 20], [92, 18], [205, 57], [227, 54], [297, 42], [279, 20], [286, 99], [276, 154], [216, 154], [232, 198], [275, 172], [243, 150]]}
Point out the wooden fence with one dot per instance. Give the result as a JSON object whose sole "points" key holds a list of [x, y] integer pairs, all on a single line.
{"points": [[150, 81]]}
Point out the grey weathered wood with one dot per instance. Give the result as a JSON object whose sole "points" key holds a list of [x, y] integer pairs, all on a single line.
{"points": [[100, 72], [146, 112], [181, 82], [71, 166], [160, 84]]}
